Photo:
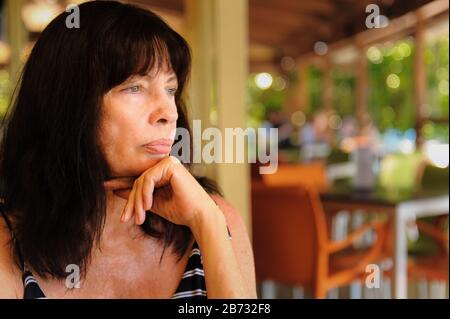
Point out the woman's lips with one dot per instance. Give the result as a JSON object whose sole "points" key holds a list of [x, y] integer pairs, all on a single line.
{"points": [[158, 149], [161, 146]]}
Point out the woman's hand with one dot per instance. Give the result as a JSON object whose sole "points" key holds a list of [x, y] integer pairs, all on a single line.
{"points": [[167, 189]]}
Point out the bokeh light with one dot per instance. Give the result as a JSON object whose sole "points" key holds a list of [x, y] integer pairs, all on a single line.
{"points": [[263, 80]]}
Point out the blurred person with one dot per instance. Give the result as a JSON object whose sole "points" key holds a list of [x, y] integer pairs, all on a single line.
{"points": [[348, 128], [321, 127], [277, 119]]}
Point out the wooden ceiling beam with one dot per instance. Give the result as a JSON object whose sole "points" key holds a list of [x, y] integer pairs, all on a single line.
{"points": [[267, 35], [317, 8], [295, 49], [260, 17], [171, 5], [269, 66], [288, 16], [276, 40]]}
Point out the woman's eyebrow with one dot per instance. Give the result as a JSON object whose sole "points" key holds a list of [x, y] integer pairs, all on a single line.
{"points": [[172, 78]]}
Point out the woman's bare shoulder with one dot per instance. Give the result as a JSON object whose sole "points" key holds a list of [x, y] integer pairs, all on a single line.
{"points": [[232, 216], [10, 276]]}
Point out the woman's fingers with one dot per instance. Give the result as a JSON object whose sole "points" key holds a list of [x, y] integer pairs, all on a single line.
{"points": [[129, 207], [147, 192], [139, 213], [140, 192]]}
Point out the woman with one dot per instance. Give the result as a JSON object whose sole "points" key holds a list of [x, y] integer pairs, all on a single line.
{"points": [[89, 186]]}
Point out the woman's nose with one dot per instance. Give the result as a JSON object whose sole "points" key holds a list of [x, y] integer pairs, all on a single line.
{"points": [[165, 115]]}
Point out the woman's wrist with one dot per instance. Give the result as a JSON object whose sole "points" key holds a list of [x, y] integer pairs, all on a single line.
{"points": [[207, 218]]}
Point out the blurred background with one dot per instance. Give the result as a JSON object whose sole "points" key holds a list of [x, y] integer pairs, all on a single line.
{"points": [[358, 90]]}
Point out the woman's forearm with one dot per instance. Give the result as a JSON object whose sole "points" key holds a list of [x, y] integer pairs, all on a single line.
{"points": [[222, 275]]}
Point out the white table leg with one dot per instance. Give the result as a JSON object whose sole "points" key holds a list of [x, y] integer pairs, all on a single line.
{"points": [[400, 278], [268, 289], [404, 212]]}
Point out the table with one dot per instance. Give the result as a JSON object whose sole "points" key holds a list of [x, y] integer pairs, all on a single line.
{"points": [[402, 205]]}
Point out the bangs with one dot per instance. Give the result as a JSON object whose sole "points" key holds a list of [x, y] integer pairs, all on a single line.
{"points": [[140, 43]]}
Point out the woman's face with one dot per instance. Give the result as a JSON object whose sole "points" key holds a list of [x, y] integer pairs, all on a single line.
{"points": [[139, 122]]}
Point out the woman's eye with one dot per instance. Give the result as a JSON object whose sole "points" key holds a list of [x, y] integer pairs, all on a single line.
{"points": [[172, 91], [133, 89]]}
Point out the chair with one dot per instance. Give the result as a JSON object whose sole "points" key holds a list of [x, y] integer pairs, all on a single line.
{"points": [[313, 174], [434, 266], [291, 244], [428, 255], [431, 266]]}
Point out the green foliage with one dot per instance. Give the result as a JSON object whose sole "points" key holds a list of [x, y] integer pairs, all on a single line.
{"points": [[435, 131], [390, 85], [315, 76], [5, 91], [260, 102], [344, 86], [390, 89], [436, 60]]}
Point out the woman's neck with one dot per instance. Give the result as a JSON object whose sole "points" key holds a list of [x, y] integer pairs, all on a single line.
{"points": [[116, 233]]}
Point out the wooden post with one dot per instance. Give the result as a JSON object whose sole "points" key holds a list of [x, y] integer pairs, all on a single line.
{"points": [[302, 87], [231, 18], [419, 78], [200, 36], [327, 96], [361, 89], [219, 40], [327, 89]]}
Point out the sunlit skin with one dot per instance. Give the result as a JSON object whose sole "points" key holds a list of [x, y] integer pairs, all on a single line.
{"points": [[138, 111]]}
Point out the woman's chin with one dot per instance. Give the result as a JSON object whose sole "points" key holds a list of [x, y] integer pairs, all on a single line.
{"points": [[150, 160], [138, 166]]}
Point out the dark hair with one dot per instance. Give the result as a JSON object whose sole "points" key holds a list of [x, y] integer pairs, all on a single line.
{"points": [[51, 164]]}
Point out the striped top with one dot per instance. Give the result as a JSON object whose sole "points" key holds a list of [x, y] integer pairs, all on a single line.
{"points": [[192, 284]]}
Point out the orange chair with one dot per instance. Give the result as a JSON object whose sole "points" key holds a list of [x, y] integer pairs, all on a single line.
{"points": [[313, 174], [433, 267], [429, 267], [424, 266], [291, 242]]}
